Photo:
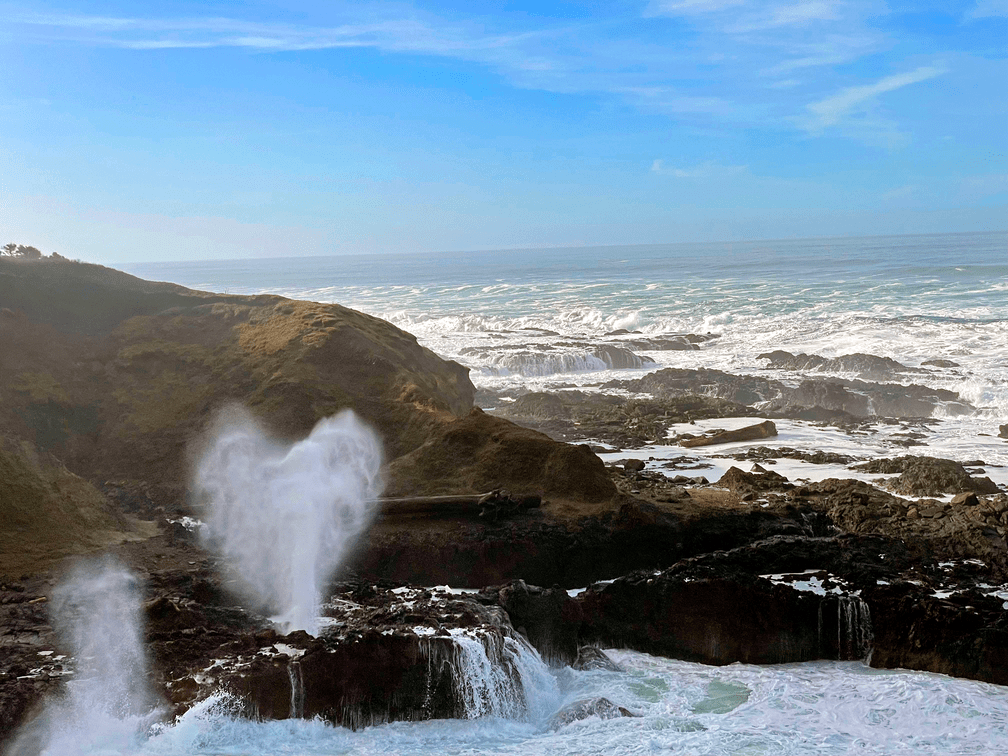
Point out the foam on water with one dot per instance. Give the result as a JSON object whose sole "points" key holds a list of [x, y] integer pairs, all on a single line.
{"points": [[813, 708]]}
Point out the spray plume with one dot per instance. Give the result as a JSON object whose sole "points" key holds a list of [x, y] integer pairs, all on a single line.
{"points": [[284, 516], [108, 706]]}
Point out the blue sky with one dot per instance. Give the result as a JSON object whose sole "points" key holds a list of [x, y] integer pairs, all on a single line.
{"points": [[184, 130]]}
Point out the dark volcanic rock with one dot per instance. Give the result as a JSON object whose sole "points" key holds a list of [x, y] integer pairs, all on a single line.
{"points": [[966, 636], [600, 707], [720, 620], [928, 476], [941, 363], [624, 422], [818, 457], [740, 481], [1003, 431], [828, 400], [687, 342], [866, 365], [672, 382], [403, 654], [590, 657], [548, 617]]}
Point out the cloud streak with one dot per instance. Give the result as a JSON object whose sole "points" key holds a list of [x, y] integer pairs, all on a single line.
{"points": [[830, 111], [737, 62]]}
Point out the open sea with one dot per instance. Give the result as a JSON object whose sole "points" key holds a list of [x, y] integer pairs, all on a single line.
{"points": [[533, 319]]}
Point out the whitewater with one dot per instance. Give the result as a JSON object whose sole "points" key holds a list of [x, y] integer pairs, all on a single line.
{"points": [[536, 320]]}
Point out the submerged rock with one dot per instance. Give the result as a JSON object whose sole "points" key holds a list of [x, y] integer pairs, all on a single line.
{"points": [[590, 657], [599, 707]]}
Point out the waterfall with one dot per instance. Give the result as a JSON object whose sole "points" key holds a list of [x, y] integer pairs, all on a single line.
{"points": [[854, 630], [297, 700], [854, 635], [492, 673]]}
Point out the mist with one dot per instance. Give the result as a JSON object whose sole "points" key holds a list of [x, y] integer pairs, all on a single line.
{"points": [[284, 516], [109, 705]]}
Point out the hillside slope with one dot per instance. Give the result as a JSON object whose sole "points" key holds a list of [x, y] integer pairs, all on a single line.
{"points": [[118, 377]]}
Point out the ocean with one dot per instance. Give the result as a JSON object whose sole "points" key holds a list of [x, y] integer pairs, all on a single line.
{"points": [[537, 320]]}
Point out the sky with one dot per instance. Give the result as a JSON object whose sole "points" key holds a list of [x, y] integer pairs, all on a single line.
{"points": [[175, 130]]}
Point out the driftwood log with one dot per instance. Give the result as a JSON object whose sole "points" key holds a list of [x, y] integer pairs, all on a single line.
{"points": [[492, 504]]}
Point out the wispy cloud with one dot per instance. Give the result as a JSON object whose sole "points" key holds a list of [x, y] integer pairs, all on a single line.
{"points": [[689, 7], [989, 9], [393, 33], [792, 14], [702, 171], [739, 62], [830, 111]]}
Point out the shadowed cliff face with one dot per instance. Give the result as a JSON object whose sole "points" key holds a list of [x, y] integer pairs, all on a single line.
{"points": [[48, 513], [117, 376]]}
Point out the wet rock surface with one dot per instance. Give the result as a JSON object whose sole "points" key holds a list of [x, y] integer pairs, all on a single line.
{"points": [[928, 476], [618, 420], [868, 366], [599, 707], [629, 414]]}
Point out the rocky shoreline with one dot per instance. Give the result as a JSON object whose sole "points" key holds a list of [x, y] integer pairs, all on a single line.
{"points": [[559, 553]]}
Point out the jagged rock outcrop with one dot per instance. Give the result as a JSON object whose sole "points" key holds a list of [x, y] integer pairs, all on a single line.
{"points": [[869, 366], [402, 654], [825, 399], [928, 476], [548, 617], [756, 480], [625, 422], [718, 619]]}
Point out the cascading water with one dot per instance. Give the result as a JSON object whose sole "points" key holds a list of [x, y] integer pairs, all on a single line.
{"points": [[284, 516], [493, 674], [854, 628], [297, 699], [853, 636]]}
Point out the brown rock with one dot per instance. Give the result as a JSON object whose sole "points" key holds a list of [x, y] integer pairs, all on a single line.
{"points": [[965, 500], [766, 429], [481, 453]]}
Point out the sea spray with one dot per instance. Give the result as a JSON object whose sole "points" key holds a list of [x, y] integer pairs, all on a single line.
{"points": [[108, 706], [284, 516]]}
